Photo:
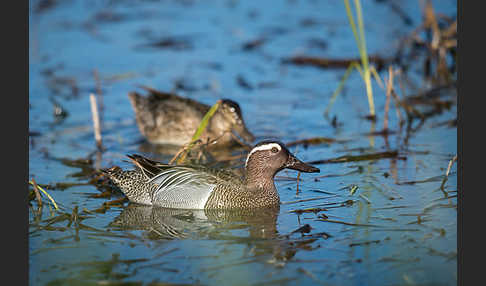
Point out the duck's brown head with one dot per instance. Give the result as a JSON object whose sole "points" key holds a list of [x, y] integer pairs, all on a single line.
{"points": [[269, 157], [233, 118]]}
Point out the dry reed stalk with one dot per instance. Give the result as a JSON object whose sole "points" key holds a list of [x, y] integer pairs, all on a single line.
{"points": [[96, 121], [37, 194], [410, 111], [395, 97], [397, 107], [298, 180], [389, 88], [396, 100], [450, 165], [99, 94], [447, 172], [430, 21], [184, 148]]}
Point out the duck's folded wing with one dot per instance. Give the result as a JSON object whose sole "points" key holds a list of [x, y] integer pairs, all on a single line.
{"points": [[182, 187]]}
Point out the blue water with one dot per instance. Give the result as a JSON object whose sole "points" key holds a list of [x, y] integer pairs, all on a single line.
{"points": [[69, 41]]}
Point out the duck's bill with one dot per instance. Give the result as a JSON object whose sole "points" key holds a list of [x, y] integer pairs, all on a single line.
{"points": [[295, 164], [244, 133]]}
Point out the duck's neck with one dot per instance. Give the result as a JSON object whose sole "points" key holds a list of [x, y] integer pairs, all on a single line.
{"points": [[260, 181], [219, 125], [260, 188]]}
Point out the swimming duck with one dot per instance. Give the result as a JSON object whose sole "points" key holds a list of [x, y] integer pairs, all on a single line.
{"points": [[199, 187], [165, 118]]}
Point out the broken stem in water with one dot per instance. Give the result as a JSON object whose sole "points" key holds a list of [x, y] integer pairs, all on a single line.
{"points": [[37, 194], [99, 93], [96, 121], [298, 179], [389, 88], [447, 172]]}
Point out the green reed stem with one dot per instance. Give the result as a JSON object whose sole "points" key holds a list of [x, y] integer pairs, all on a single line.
{"points": [[340, 87], [364, 57], [200, 130], [361, 43], [205, 121]]}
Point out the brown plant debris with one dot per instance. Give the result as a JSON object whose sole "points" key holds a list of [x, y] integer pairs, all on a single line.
{"points": [[334, 63], [309, 210], [357, 158], [315, 141]]}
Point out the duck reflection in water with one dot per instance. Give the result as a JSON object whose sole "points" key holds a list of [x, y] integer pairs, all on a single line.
{"points": [[256, 229], [165, 223]]}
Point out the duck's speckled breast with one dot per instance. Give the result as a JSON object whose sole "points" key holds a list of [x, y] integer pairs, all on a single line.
{"points": [[239, 196]]}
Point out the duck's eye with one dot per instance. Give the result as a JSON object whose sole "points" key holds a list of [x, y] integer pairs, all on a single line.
{"points": [[274, 150], [232, 109]]}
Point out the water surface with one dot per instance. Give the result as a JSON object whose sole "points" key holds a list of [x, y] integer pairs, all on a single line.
{"points": [[397, 228]]}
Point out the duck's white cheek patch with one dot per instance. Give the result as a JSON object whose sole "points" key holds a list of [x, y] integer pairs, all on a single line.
{"points": [[264, 147]]}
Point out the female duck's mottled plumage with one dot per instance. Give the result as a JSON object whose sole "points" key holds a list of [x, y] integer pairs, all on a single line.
{"points": [[165, 118], [198, 187]]}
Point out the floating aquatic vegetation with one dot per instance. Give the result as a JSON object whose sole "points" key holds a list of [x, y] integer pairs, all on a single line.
{"points": [[176, 43], [308, 210], [253, 44], [357, 158], [315, 141], [334, 63]]}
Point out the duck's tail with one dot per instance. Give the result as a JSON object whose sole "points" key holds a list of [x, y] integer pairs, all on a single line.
{"points": [[148, 167], [136, 100], [114, 173], [132, 183]]}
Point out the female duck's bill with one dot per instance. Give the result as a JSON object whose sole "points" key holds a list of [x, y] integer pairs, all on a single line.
{"points": [[233, 111]]}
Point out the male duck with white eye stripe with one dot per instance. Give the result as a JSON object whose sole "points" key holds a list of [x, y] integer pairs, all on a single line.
{"points": [[198, 187]]}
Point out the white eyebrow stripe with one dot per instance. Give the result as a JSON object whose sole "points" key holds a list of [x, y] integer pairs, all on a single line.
{"points": [[263, 148]]}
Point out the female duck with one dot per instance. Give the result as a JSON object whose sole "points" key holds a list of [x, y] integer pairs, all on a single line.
{"points": [[198, 187], [165, 118]]}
